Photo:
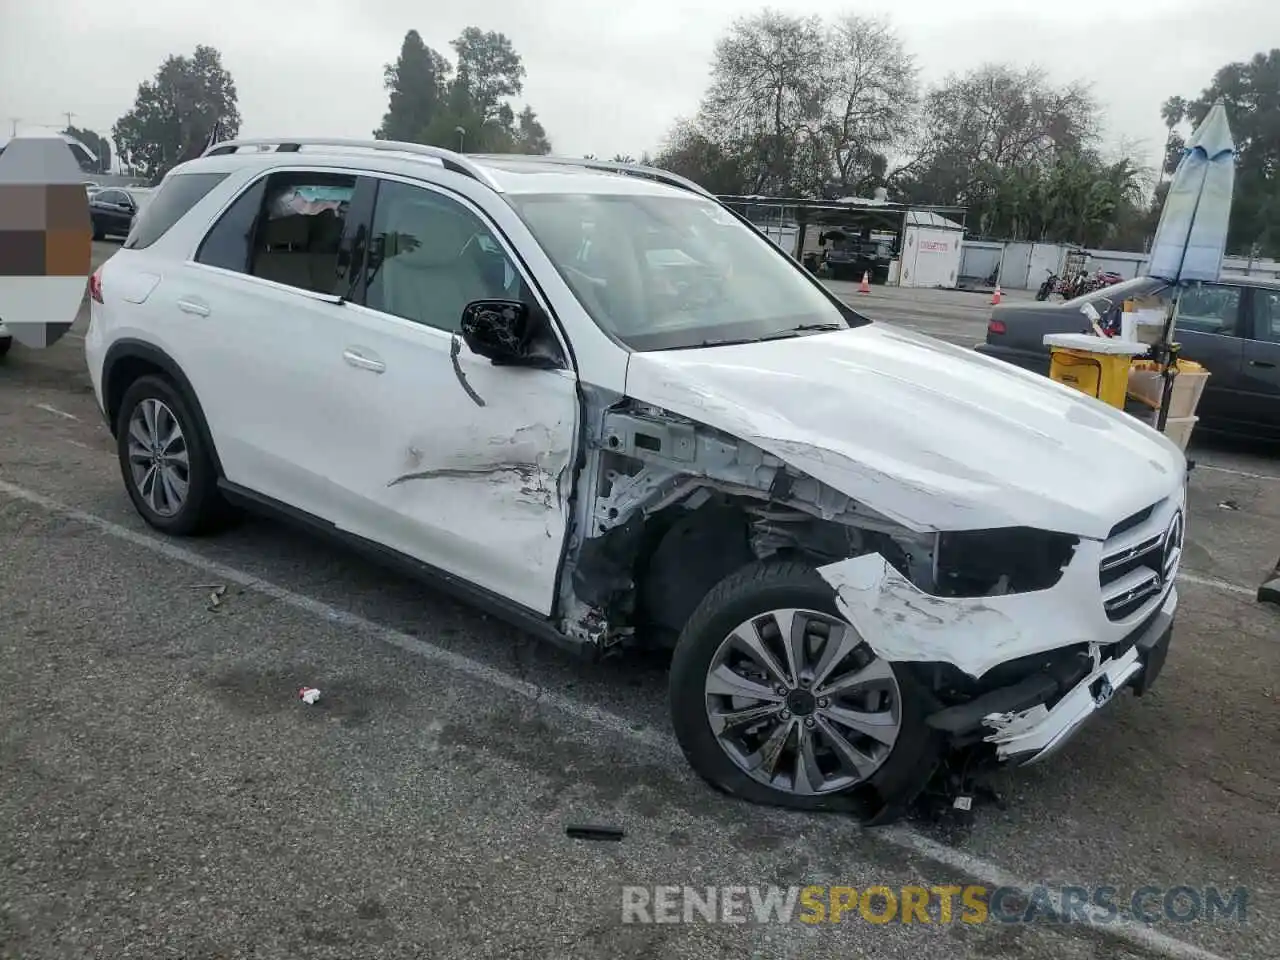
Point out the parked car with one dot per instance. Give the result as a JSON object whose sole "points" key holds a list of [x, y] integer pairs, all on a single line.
{"points": [[112, 210], [848, 257], [866, 547], [1231, 327]]}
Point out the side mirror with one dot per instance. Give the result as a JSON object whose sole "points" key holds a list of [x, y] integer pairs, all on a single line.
{"points": [[498, 329]]}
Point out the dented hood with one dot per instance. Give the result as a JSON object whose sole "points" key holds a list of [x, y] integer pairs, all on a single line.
{"points": [[933, 435]]}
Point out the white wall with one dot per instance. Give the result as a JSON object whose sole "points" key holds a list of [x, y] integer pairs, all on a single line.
{"points": [[1024, 264], [930, 257]]}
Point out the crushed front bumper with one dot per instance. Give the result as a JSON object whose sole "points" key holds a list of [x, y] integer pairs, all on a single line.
{"points": [[1040, 664], [1030, 734]]}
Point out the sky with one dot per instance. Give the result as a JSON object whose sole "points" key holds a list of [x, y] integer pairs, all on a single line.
{"points": [[604, 78]]}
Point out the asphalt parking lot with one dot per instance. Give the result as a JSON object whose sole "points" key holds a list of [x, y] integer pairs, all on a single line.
{"points": [[164, 792]]}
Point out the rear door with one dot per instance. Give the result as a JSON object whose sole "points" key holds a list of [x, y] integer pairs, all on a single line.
{"points": [[1260, 372], [262, 324], [1208, 323]]}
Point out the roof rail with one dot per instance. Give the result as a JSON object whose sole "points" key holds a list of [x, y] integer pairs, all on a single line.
{"points": [[448, 158], [634, 169]]}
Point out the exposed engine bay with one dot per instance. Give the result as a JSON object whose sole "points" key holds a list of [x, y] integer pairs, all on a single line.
{"points": [[676, 506]]}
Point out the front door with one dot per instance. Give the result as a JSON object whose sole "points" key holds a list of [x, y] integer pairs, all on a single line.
{"points": [[463, 465], [1208, 325], [1260, 374]]}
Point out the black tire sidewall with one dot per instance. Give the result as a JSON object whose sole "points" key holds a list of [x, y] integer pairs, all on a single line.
{"points": [[751, 592], [201, 506]]}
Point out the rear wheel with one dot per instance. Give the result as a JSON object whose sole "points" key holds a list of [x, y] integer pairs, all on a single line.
{"points": [[167, 469], [5, 344], [777, 699]]}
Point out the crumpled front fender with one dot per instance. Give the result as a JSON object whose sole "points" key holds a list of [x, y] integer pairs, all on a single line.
{"points": [[903, 623]]}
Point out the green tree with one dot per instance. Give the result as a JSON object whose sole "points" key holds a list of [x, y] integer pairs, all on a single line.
{"points": [[1250, 90], [175, 112], [98, 144], [691, 153], [489, 70], [466, 105], [531, 138], [416, 90]]}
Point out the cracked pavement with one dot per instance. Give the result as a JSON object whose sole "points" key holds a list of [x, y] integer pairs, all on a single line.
{"points": [[165, 792]]}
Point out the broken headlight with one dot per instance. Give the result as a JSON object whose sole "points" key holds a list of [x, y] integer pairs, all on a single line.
{"points": [[983, 563]]}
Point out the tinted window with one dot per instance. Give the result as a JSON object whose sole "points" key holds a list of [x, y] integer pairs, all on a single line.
{"points": [[430, 256], [286, 227], [168, 205], [110, 196], [1266, 304], [1209, 308], [299, 229], [227, 244]]}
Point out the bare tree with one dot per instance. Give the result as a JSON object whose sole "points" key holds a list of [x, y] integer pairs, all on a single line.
{"points": [[766, 94], [871, 99]]}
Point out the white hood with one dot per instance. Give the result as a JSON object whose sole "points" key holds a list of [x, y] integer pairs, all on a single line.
{"points": [[933, 435]]}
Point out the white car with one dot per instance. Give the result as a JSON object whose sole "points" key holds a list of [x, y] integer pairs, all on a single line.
{"points": [[595, 400]]}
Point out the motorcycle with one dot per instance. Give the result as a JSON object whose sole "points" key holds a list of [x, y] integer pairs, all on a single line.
{"points": [[1049, 287]]}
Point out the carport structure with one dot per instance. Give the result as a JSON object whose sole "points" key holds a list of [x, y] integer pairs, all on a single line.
{"points": [[799, 225]]}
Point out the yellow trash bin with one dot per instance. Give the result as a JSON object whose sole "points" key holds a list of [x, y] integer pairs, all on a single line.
{"points": [[1098, 366]]}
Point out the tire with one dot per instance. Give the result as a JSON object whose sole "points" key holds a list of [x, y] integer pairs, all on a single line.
{"points": [[5, 344], [98, 233], [756, 590], [202, 508]]}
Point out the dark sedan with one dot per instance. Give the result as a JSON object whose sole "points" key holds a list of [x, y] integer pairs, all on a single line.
{"points": [[112, 210], [1231, 327]]}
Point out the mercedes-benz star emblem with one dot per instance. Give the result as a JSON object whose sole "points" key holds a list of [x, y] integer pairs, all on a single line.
{"points": [[1172, 551]]}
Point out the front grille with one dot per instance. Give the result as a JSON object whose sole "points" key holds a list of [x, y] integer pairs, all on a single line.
{"points": [[1139, 560]]}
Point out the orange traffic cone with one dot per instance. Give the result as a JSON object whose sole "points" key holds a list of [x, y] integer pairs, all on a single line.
{"points": [[995, 297], [865, 285]]}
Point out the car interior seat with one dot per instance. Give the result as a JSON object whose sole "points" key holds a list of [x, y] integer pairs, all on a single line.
{"points": [[427, 279]]}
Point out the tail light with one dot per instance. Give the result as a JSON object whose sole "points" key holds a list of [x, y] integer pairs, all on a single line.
{"points": [[996, 327], [95, 285]]}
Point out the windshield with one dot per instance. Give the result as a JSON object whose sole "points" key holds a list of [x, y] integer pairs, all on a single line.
{"points": [[662, 273]]}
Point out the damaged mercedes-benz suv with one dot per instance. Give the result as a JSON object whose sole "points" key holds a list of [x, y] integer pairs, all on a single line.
{"points": [[597, 401]]}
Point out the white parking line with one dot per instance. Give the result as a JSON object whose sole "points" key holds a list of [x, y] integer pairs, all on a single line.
{"points": [[50, 408], [979, 869], [1216, 584], [1238, 473]]}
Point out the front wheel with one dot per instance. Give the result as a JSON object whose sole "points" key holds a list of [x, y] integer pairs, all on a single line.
{"points": [[777, 699]]}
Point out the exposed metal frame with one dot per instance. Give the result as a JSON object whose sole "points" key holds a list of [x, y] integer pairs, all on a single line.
{"points": [[449, 159]]}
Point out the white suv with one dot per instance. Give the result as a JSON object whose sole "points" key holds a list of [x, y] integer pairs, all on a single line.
{"points": [[594, 399]]}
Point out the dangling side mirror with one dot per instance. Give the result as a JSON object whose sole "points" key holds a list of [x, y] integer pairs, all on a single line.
{"points": [[498, 329]]}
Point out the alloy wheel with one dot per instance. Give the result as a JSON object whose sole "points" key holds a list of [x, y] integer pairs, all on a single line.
{"points": [[159, 460], [801, 703]]}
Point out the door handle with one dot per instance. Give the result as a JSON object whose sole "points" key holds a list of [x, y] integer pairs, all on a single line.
{"points": [[194, 306], [1261, 363], [359, 360]]}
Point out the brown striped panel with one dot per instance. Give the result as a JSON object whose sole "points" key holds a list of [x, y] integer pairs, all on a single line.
{"points": [[22, 206], [66, 207], [22, 253], [68, 253]]}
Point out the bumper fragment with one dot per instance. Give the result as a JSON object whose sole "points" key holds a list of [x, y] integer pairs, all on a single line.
{"points": [[1030, 735]]}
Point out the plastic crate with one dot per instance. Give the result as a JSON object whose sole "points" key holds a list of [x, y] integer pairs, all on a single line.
{"points": [[1178, 429], [1146, 384]]}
